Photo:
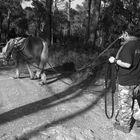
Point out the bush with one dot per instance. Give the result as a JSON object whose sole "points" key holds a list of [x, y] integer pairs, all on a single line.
{"points": [[60, 56]]}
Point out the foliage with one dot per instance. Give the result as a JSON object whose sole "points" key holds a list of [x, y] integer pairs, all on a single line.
{"points": [[114, 16], [60, 55]]}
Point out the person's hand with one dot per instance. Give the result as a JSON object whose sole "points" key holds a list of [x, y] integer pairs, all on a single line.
{"points": [[112, 59], [137, 115], [137, 90], [124, 35]]}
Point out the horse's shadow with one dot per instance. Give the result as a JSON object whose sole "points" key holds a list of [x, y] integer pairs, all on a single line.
{"points": [[44, 103], [57, 73], [53, 74]]}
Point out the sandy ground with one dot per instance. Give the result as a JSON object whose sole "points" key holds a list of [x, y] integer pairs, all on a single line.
{"points": [[56, 111]]}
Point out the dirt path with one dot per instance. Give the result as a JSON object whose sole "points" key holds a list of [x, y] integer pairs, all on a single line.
{"points": [[56, 111]]}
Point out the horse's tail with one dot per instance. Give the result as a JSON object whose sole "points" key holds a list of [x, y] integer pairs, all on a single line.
{"points": [[44, 54]]}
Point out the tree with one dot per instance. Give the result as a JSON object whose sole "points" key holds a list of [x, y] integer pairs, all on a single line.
{"points": [[48, 25], [89, 19], [11, 12], [94, 21], [69, 19], [39, 12], [115, 15]]}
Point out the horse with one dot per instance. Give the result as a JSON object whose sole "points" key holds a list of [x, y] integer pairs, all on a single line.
{"points": [[30, 50]]}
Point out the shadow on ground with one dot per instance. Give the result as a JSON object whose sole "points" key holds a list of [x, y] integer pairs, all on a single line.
{"points": [[51, 102]]}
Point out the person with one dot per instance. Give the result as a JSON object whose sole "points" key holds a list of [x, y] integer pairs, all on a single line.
{"points": [[128, 76]]}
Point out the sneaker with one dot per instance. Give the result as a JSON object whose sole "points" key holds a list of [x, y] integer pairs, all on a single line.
{"points": [[125, 129]]}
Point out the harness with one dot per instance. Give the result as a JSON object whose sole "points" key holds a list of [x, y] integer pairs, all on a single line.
{"points": [[18, 43]]}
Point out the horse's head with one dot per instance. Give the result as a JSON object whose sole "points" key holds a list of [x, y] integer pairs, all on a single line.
{"points": [[7, 50]]}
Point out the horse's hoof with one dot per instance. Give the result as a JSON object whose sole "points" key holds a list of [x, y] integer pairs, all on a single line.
{"points": [[16, 77], [32, 78], [42, 83], [38, 75], [35, 77]]}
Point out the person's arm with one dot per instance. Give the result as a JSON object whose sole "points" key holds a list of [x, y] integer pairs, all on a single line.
{"points": [[127, 55], [123, 64], [119, 62]]}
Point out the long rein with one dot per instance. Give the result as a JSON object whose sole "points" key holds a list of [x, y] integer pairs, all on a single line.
{"points": [[37, 67], [93, 66], [113, 70], [88, 65]]}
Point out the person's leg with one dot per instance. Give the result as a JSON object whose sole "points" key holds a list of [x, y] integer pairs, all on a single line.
{"points": [[125, 112]]}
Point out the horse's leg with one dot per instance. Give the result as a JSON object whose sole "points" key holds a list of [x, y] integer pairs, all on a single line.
{"points": [[43, 61], [17, 70], [43, 78], [30, 72], [38, 71], [38, 74], [16, 58], [42, 73], [17, 74]]}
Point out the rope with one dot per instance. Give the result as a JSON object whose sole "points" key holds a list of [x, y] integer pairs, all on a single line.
{"points": [[111, 74], [26, 59], [89, 65], [18, 41], [57, 72]]}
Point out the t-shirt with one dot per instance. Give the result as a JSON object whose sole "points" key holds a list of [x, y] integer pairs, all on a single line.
{"points": [[130, 54]]}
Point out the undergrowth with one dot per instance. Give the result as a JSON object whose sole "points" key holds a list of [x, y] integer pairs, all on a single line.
{"points": [[58, 55]]}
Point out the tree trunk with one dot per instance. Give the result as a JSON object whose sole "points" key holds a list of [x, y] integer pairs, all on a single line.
{"points": [[89, 18], [38, 27], [8, 25], [1, 21], [55, 5], [49, 22], [94, 21], [69, 25]]}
